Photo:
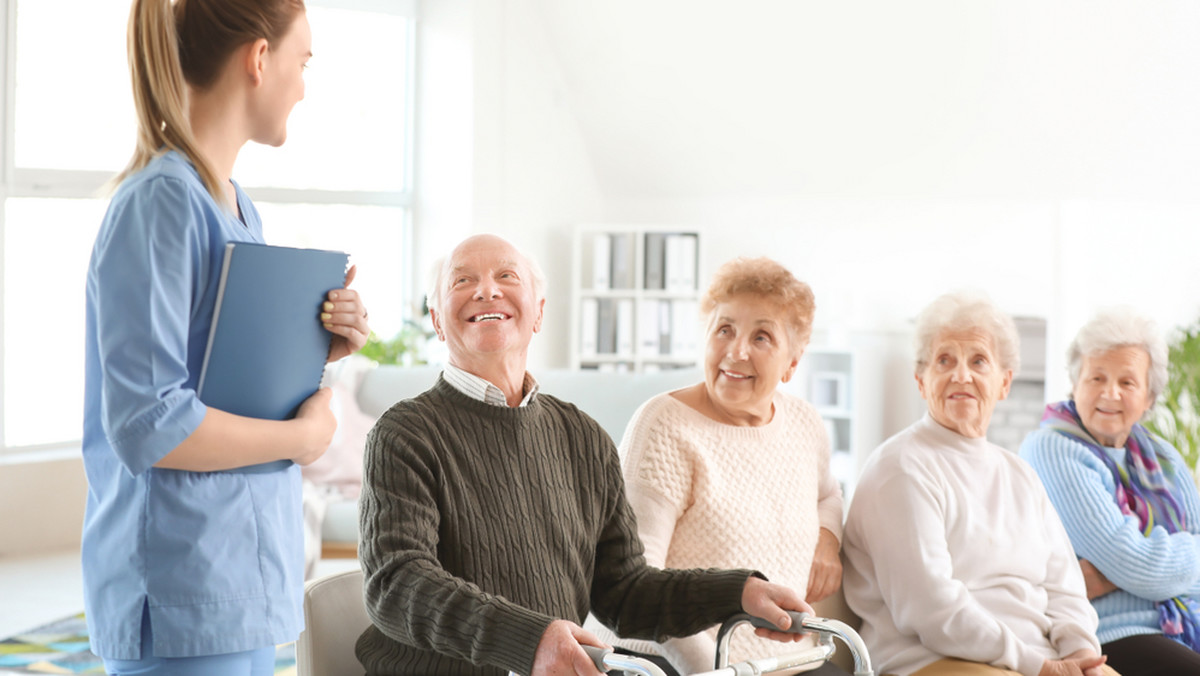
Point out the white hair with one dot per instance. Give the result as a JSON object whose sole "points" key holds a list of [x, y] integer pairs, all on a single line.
{"points": [[436, 279], [1115, 328], [960, 311]]}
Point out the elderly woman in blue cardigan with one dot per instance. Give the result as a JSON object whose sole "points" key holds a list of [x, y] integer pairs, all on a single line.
{"points": [[1126, 497]]}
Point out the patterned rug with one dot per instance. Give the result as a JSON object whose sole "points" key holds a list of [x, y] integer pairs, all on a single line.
{"points": [[62, 648]]}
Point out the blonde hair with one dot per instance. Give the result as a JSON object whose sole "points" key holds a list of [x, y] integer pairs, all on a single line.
{"points": [[172, 45], [771, 281]]}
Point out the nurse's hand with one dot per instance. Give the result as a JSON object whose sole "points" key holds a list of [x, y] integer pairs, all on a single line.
{"points": [[344, 315], [320, 424]]}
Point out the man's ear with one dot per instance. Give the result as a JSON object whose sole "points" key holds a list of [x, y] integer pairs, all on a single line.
{"points": [[537, 324], [256, 60], [437, 325]]}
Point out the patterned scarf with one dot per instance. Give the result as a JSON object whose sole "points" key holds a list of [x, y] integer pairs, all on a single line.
{"points": [[1145, 487]]}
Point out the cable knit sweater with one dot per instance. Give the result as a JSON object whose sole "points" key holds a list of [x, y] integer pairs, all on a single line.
{"points": [[712, 494], [1147, 569], [954, 550], [481, 524]]}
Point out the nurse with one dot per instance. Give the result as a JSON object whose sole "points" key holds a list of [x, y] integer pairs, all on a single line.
{"points": [[191, 566]]}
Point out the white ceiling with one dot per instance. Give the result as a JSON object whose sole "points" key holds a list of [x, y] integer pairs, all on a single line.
{"points": [[683, 98]]}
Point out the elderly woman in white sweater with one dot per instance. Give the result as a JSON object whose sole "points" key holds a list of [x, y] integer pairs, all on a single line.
{"points": [[733, 472], [955, 559]]}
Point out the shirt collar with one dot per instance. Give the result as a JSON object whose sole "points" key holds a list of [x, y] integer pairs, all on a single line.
{"points": [[481, 390]]}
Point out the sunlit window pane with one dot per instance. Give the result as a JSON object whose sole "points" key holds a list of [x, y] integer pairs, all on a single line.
{"points": [[373, 236], [349, 131], [74, 102], [47, 243]]}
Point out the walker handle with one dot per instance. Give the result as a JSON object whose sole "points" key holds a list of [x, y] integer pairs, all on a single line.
{"points": [[597, 654], [797, 626]]}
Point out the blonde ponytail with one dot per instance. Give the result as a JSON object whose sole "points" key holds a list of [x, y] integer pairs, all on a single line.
{"points": [[160, 93]]}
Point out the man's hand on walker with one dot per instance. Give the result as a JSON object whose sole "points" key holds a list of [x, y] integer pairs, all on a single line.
{"points": [[559, 654], [771, 602]]}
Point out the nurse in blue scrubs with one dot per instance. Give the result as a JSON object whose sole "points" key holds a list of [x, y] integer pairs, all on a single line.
{"points": [[193, 559]]}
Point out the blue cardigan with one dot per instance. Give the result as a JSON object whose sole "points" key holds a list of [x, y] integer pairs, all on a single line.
{"points": [[1146, 569]]}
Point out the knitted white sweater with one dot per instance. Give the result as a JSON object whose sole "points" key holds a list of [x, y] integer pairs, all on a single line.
{"points": [[954, 550], [708, 494]]}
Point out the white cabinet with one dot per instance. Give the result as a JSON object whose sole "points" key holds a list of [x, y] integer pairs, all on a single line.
{"points": [[635, 298], [827, 379]]}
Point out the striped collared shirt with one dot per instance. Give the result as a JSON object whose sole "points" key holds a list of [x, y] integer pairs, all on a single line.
{"points": [[481, 390]]}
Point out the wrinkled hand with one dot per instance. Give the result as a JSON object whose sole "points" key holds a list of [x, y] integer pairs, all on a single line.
{"points": [[559, 654], [825, 576], [1078, 663], [344, 315], [318, 416], [770, 602], [1095, 582]]}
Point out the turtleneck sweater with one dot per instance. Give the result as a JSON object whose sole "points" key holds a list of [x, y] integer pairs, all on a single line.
{"points": [[954, 550], [482, 524]]}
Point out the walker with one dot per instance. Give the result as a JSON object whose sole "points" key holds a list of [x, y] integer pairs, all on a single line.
{"points": [[608, 661]]}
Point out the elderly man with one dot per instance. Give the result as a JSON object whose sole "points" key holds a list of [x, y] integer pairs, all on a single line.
{"points": [[494, 516]]}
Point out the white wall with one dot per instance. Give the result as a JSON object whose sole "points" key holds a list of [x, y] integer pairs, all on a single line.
{"points": [[1042, 153]]}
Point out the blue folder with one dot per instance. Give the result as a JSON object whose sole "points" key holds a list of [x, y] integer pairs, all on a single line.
{"points": [[267, 347]]}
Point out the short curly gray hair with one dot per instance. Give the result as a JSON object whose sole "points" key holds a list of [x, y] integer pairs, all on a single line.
{"points": [[1119, 327], [963, 310]]}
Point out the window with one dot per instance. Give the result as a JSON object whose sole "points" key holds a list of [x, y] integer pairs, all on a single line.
{"points": [[342, 180]]}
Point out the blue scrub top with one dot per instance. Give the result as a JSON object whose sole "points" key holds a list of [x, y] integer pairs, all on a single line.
{"points": [[218, 557]]}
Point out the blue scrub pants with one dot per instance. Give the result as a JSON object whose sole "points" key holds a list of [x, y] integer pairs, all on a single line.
{"points": [[259, 662]]}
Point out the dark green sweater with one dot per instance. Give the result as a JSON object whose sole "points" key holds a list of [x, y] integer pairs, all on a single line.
{"points": [[481, 524]]}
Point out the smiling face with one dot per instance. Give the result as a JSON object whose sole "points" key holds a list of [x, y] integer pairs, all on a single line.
{"points": [[962, 381], [488, 307], [1112, 393], [747, 355]]}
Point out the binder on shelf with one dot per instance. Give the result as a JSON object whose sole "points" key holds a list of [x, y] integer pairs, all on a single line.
{"points": [[684, 327], [589, 316], [687, 262], [606, 331], [648, 328], [622, 274], [680, 262], [601, 261], [267, 349], [625, 326], [664, 327], [655, 261]]}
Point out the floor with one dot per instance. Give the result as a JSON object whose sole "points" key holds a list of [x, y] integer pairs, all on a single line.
{"points": [[35, 590]]}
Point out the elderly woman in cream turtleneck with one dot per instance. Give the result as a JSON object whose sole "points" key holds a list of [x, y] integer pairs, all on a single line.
{"points": [[955, 559]]}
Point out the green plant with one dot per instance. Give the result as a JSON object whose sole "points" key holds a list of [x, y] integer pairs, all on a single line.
{"points": [[1177, 416], [403, 349]]}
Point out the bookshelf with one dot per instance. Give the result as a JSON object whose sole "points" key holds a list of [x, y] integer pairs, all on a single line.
{"points": [[827, 379], [635, 298]]}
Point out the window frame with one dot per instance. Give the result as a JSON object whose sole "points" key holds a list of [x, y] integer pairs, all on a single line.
{"points": [[17, 183]]}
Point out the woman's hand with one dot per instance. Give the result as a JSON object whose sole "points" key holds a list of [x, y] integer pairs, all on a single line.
{"points": [[559, 651], [825, 575], [771, 602], [1078, 663], [344, 315], [1097, 585], [318, 416]]}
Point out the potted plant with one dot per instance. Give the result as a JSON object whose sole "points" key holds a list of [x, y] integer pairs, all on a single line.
{"points": [[1176, 418], [404, 349]]}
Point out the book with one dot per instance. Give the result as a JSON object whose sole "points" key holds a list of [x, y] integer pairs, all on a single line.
{"points": [[589, 328], [267, 348], [622, 275], [601, 261], [655, 260], [625, 327]]}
